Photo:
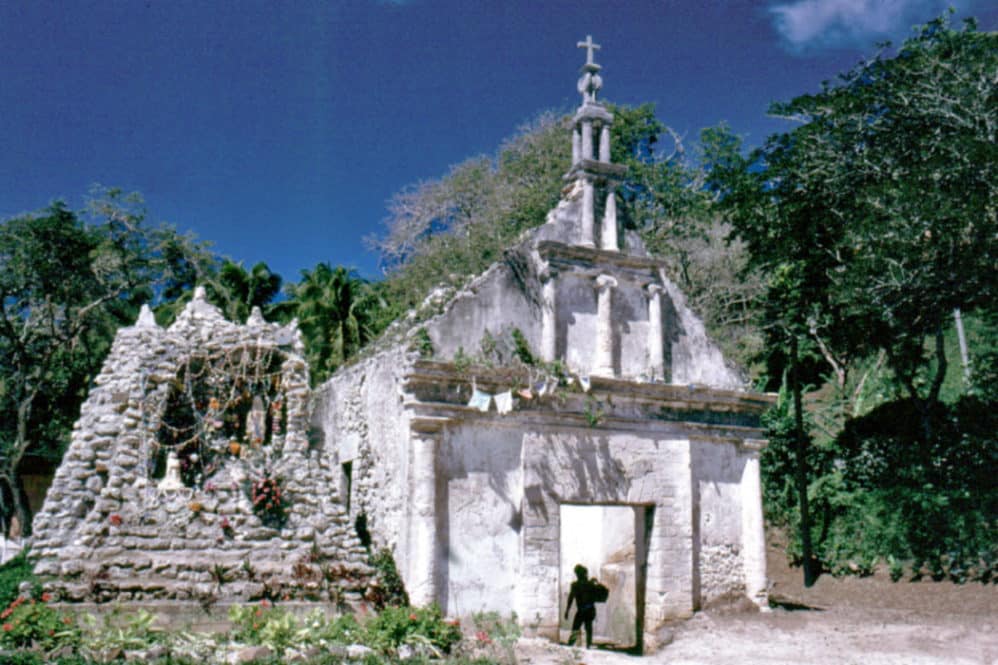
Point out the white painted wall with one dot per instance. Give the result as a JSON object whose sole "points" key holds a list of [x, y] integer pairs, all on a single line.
{"points": [[484, 488]]}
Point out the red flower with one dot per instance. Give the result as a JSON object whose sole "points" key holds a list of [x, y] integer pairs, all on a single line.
{"points": [[46, 597], [482, 636], [264, 603], [115, 519], [7, 627], [412, 617]]}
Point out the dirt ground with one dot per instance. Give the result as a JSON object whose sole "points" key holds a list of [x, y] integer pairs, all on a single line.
{"points": [[868, 621]]}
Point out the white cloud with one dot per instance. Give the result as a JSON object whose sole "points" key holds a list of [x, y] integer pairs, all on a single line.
{"points": [[817, 24]]}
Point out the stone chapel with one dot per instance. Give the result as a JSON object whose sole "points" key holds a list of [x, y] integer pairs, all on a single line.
{"points": [[489, 482], [599, 424]]}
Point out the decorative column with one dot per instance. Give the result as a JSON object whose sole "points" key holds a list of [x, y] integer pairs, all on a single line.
{"points": [[576, 146], [604, 144], [424, 571], [549, 316], [656, 347], [608, 233], [753, 536], [587, 139], [588, 213], [603, 365]]}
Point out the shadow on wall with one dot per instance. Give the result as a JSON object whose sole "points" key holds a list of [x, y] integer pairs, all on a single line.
{"points": [[715, 524]]}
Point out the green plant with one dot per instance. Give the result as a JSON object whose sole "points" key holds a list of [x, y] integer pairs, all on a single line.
{"points": [[594, 411], [27, 622], [219, 573], [521, 348], [462, 361], [489, 348], [322, 631], [896, 568], [12, 573], [390, 587], [249, 621], [115, 632], [495, 636], [268, 501], [422, 343], [421, 626]]}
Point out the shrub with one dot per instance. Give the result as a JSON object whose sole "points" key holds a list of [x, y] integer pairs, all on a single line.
{"points": [[269, 502], [28, 622], [390, 588], [412, 625], [12, 573]]}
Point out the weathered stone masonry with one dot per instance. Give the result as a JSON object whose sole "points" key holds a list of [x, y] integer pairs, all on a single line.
{"points": [[106, 531]]}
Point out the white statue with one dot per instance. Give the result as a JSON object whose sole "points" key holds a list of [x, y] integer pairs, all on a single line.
{"points": [[256, 423], [171, 479]]}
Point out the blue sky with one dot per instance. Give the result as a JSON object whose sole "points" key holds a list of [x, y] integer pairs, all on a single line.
{"points": [[278, 130]]}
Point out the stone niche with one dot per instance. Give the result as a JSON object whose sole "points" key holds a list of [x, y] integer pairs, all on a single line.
{"points": [[168, 490]]}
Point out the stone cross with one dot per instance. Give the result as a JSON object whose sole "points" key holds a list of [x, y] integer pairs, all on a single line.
{"points": [[590, 47]]}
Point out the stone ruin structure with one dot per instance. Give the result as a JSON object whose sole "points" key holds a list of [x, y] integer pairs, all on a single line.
{"points": [[563, 406], [568, 377], [154, 499]]}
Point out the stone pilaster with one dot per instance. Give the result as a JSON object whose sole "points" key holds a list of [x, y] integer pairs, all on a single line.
{"points": [[588, 212], [423, 536], [587, 139], [576, 145], [603, 362], [608, 234], [604, 143], [753, 535], [549, 316], [656, 347]]}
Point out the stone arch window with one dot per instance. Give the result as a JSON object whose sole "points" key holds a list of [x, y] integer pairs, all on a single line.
{"points": [[222, 405]]}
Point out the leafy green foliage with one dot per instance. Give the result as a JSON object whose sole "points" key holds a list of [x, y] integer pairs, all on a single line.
{"points": [[335, 309], [389, 580], [27, 621], [872, 221], [396, 626], [12, 573], [521, 348], [879, 491]]}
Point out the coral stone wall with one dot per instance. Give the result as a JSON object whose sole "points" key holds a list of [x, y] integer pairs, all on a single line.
{"points": [[108, 531]]}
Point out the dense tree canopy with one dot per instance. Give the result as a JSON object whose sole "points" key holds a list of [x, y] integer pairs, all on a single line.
{"points": [[872, 221], [67, 282]]}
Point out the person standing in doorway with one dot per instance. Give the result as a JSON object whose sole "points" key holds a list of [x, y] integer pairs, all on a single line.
{"points": [[583, 592]]}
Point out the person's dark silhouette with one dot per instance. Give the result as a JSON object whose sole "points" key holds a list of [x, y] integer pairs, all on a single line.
{"points": [[583, 592]]}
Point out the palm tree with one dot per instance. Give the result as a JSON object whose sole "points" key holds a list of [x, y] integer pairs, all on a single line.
{"points": [[237, 291], [333, 315]]}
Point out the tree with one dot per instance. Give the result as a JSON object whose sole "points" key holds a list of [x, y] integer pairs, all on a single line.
{"points": [[67, 282], [875, 218], [443, 230], [333, 312], [239, 291], [900, 156], [65, 286]]}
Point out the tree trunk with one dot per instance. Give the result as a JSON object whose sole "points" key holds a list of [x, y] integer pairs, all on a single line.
{"points": [[800, 448], [19, 507], [962, 339]]}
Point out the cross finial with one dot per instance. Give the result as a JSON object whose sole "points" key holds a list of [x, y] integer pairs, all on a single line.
{"points": [[590, 46]]}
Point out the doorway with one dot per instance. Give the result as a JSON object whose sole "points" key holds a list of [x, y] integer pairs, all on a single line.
{"points": [[611, 542]]}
